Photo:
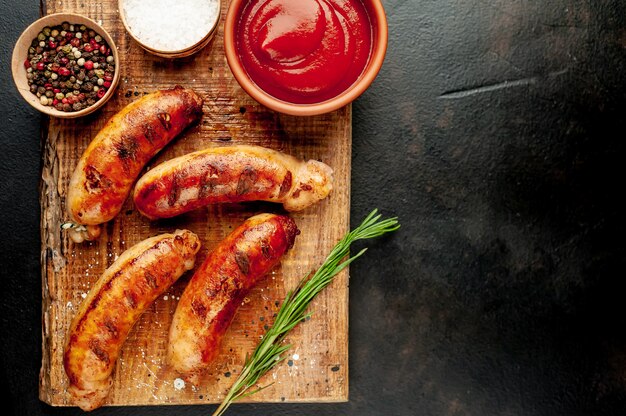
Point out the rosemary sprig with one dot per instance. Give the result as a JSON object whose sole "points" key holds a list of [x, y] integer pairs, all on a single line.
{"points": [[269, 351]]}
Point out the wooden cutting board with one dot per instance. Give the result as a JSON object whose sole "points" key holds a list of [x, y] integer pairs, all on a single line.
{"points": [[316, 369]]}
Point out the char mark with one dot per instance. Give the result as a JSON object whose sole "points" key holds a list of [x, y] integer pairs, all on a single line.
{"points": [[199, 308], [165, 119], [130, 299], [208, 181], [127, 149], [246, 180], [94, 346], [95, 181], [286, 185], [148, 133], [151, 280], [175, 190], [266, 249], [111, 327], [243, 262]]}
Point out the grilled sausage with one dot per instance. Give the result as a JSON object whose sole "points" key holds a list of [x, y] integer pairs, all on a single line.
{"points": [[112, 307], [210, 300], [111, 163], [231, 174]]}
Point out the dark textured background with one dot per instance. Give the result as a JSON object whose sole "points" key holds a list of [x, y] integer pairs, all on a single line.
{"points": [[495, 131]]}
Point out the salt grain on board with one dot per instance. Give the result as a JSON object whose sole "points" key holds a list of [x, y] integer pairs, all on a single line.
{"points": [[170, 25], [179, 384]]}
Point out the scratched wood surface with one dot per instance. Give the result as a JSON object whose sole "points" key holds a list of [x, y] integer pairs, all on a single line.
{"points": [[316, 369]]}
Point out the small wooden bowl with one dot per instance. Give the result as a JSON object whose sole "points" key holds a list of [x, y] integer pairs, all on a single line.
{"points": [[172, 54], [20, 54]]}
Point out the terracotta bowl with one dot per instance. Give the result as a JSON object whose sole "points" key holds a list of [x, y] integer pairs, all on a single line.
{"points": [[378, 20], [20, 54]]}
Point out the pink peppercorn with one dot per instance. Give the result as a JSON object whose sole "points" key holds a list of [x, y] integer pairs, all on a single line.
{"points": [[88, 65]]}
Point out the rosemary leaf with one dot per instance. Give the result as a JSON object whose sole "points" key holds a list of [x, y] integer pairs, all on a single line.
{"points": [[269, 351]]}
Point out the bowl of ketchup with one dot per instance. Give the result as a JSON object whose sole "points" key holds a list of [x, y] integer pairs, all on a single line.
{"points": [[305, 57]]}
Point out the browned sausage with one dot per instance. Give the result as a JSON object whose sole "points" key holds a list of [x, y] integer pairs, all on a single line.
{"points": [[111, 163], [231, 174], [218, 286], [112, 307]]}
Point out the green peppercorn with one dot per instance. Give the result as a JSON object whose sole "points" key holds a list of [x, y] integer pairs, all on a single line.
{"points": [[41, 37], [49, 94]]}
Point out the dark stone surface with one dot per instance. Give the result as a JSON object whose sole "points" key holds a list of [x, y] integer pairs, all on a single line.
{"points": [[495, 132]]}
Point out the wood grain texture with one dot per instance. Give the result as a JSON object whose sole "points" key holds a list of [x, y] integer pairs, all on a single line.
{"points": [[320, 372]]}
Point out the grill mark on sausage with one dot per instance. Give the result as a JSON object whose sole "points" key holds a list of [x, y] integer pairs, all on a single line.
{"points": [[191, 110], [165, 119], [145, 192], [126, 150], [95, 181], [111, 327], [266, 249], [243, 262], [208, 181], [151, 280], [199, 308], [286, 185], [94, 346], [131, 300], [176, 188], [148, 133], [246, 180]]}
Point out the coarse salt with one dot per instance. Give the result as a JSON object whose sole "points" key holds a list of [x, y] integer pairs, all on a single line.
{"points": [[170, 25], [179, 384]]}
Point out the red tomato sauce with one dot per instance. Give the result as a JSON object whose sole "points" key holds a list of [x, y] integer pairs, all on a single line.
{"points": [[304, 51]]}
